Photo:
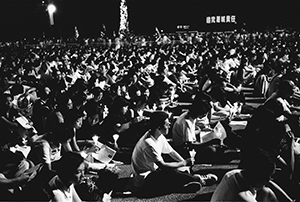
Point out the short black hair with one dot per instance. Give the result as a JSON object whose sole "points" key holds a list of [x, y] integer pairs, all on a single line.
{"points": [[286, 86], [73, 115], [258, 163], [69, 163], [96, 91], [199, 107], [157, 119]]}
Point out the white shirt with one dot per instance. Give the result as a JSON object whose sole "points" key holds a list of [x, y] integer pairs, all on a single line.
{"points": [[60, 192], [233, 183], [183, 130], [146, 153]]}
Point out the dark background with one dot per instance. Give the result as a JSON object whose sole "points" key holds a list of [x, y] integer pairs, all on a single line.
{"points": [[28, 18]]}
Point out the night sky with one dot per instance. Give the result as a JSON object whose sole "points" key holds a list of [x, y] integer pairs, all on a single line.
{"points": [[28, 18]]}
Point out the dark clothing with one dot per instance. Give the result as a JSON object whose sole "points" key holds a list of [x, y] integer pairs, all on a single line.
{"points": [[162, 182], [263, 130], [110, 123], [128, 137]]}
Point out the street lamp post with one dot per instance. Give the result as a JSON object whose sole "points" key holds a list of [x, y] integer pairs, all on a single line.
{"points": [[51, 9]]}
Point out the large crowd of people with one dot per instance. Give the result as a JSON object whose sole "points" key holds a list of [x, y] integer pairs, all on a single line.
{"points": [[54, 93]]}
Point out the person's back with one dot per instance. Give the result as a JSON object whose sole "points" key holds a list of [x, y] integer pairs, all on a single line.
{"points": [[234, 183], [273, 86], [182, 130], [143, 164], [249, 183], [38, 188]]}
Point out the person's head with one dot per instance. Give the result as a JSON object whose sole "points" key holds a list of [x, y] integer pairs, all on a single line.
{"points": [[7, 100], [120, 105], [17, 89], [64, 101], [60, 134], [47, 90], [147, 92], [134, 78], [286, 88], [93, 114], [199, 108], [159, 120], [79, 99], [138, 92], [258, 168], [57, 75], [97, 93], [74, 118], [70, 168]]}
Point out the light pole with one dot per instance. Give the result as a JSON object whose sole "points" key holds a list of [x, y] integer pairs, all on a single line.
{"points": [[51, 9]]}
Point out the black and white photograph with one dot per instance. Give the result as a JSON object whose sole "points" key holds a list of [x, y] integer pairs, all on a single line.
{"points": [[150, 100]]}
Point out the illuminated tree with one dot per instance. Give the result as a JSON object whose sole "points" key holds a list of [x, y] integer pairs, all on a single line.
{"points": [[124, 27]]}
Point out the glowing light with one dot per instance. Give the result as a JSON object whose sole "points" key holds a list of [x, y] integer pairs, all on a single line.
{"points": [[51, 8], [123, 17]]}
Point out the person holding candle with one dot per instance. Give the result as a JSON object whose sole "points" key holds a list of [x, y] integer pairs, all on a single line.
{"points": [[152, 175], [186, 136]]}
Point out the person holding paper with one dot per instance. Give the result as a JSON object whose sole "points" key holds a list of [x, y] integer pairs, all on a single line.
{"points": [[152, 175], [186, 136]]}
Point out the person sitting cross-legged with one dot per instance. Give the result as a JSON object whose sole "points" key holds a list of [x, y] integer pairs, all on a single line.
{"points": [[186, 137], [152, 175]]}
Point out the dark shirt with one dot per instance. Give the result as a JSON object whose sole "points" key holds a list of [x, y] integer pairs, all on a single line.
{"points": [[110, 123]]}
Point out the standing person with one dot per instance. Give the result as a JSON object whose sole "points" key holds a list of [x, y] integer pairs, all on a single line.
{"points": [[152, 174]]}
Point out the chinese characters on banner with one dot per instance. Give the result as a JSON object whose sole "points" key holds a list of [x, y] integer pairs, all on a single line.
{"points": [[220, 19]]}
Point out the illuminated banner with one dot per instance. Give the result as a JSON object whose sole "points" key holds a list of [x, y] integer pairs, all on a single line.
{"points": [[220, 19]]}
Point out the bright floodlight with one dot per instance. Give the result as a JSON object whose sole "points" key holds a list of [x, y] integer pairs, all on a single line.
{"points": [[51, 8]]}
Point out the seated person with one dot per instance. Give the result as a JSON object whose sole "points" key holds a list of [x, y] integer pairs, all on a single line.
{"points": [[186, 136], [271, 124], [152, 175], [62, 184], [12, 174], [121, 120], [252, 183], [74, 119], [8, 115], [47, 148], [57, 185], [13, 163], [91, 125]]}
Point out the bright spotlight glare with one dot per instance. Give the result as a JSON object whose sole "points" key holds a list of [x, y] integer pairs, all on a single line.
{"points": [[51, 8]]}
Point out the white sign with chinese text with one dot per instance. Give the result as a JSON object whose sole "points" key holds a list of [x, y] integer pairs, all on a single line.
{"points": [[221, 19]]}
